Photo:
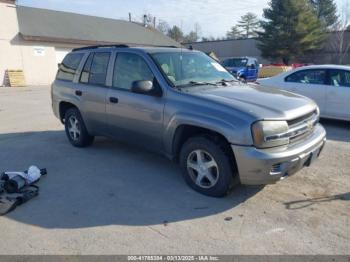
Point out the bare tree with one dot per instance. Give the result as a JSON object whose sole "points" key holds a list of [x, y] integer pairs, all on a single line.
{"points": [[339, 42], [194, 35], [163, 27], [197, 29], [148, 20]]}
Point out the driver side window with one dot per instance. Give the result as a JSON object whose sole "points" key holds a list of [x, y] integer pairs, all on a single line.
{"points": [[251, 65], [129, 68]]}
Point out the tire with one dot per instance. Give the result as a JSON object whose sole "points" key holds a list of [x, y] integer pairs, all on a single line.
{"points": [[77, 134], [243, 79], [213, 179]]}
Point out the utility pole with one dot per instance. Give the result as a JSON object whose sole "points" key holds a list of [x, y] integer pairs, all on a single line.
{"points": [[129, 17], [154, 22], [144, 20]]}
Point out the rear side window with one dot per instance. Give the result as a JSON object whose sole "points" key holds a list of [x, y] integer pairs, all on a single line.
{"points": [[95, 69], [339, 78], [69, 66], [317, 77]]}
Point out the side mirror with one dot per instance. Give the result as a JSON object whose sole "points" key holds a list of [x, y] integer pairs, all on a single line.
{"points": [[144, 87]]}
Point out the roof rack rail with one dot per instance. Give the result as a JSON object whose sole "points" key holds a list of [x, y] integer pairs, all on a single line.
{"points": [[97, 46], [166, 46]]}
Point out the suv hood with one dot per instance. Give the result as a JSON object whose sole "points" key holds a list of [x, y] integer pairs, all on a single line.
{"points": [[260, 102]]}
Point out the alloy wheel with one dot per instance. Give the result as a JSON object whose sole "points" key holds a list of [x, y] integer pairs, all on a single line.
{"points": [[74, 128], [202, 168]]}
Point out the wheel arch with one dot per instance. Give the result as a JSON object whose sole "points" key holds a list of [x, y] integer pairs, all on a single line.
{"points": [[184, 132], [63, 107]]}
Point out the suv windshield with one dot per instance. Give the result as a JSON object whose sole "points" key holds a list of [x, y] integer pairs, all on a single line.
{"points": [[235, 62], [191, 68]]}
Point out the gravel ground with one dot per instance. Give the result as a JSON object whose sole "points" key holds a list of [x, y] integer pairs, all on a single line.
{"points": [[115, 199]]}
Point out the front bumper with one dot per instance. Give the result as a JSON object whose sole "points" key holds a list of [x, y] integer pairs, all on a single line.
{"points": [[267, 166], [55, 108]]}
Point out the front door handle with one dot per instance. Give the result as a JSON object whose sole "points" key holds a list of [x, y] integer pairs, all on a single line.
{"points": [[113, 100], [78, 93]]}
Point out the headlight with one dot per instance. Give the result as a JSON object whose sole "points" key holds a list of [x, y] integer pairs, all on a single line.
{"points": [[270, 133], [239, 73]]}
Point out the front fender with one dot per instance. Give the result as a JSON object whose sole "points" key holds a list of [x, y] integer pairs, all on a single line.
{"points": [[236, 133]]}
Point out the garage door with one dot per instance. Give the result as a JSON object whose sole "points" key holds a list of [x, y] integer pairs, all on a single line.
{"points": [[61, 53]]}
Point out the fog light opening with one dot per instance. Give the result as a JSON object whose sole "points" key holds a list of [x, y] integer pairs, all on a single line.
{"points": [[284, 176], [276, 169]]}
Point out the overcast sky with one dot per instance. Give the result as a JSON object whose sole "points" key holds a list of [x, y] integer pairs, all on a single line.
{"points": [[214, 16]]}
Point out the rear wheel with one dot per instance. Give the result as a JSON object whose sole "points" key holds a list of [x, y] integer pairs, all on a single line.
{"points": [[76, 130], [206, 166]]}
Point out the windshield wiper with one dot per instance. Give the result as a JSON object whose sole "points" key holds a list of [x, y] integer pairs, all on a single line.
{"points": [[224, 81], [196, 83]]}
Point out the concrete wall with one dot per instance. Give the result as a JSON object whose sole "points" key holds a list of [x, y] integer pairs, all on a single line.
{"points": [[248, 47], [228, 48], [38, 60]]}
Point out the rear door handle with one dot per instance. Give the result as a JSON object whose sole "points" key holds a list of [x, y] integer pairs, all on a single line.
{"points": [[78, 93], [113, 100]]}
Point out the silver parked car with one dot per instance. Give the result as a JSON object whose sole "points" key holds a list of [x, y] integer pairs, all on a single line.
{"points": [[327, 85], [183, 104]]}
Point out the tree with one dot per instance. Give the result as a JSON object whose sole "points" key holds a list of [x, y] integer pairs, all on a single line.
{"points": [[337, 42], [197, 29], [163, 27], [208, 38], [290, 29], [191, 37], [148, 19], [249, 24], [234, 33], [176, 33], [326, 11]]}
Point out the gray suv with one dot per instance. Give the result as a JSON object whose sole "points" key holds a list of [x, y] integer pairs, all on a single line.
{"points": [[183, 104]]}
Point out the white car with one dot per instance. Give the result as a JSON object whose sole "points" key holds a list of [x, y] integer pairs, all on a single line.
{"points": [[327, 85]]}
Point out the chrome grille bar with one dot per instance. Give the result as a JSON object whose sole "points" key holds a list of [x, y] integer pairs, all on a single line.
{"points": [[298, 129]]}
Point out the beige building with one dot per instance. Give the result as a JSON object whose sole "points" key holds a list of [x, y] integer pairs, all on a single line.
{"points": [[36, 40]]}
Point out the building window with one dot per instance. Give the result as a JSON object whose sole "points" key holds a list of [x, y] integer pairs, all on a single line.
{"points": [[69, 66]]}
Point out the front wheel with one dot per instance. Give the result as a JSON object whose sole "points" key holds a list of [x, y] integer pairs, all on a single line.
{"points": [[206, 166], [75, 128]]}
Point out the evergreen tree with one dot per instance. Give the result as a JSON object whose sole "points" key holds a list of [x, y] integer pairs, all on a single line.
{"points": [[249, 24], [326, 11], [234, 33], [176, 33], [290, 29]]}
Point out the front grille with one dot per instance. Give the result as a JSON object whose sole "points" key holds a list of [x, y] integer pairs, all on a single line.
{"points": [[303, 126], [301, 118]]}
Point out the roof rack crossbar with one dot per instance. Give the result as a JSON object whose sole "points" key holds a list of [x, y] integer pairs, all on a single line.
{"points": [[98, 46]]}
